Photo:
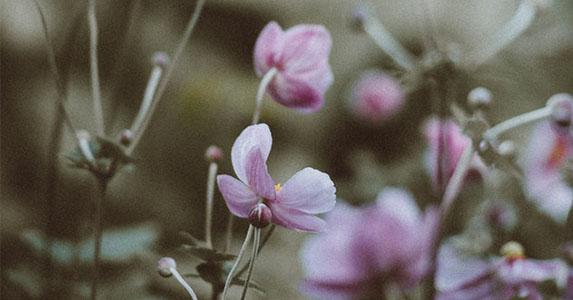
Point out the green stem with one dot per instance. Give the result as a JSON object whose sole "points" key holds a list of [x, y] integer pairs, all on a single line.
{"points": [[252, 262], [230, 277], [103, 183]]}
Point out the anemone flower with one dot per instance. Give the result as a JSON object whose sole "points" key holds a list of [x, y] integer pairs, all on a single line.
{"points": [[377, 97]]}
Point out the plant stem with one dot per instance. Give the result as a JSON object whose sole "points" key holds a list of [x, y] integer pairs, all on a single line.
{"points": [[230, 277], [96, 89], [267, 78], [252, 262], [209, 203], [183, 283], [103, 183], [229, 233], [148, 96], [263, 243], [539, 114]]}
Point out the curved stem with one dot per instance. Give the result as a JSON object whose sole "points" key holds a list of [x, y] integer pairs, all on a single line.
{"points": [[386, 41], [254, 255], [98, 235], [523, 119], [150, 90], [209, 204], [168, 72], [230, 277], [96, 90], [455, 183], [267, 78], [263, 243], [183, 283], [516, 26]]}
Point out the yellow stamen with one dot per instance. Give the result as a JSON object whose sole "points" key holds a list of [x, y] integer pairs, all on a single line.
{"points": [[278, 187], [513, 250]]}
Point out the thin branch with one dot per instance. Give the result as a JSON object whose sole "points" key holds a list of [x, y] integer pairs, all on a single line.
{"points": [[96, 89], [209, 203]]}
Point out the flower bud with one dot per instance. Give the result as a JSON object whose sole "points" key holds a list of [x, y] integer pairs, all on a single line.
{"points": [[377, 97], [213, 153], [506, 149], [479, 97], [126, 137], [512, 250], [165, 265], [561, 106], [359, 17], [160, 59], [260, 216]]}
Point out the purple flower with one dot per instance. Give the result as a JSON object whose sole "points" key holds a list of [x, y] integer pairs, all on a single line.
{"points": [[474, 278], [300, 57], [369, 247], [377, 96], [546, 155], [293, 205], [446, 146]]}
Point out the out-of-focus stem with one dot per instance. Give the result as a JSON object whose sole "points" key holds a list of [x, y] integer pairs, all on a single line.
{"points": [[96, 89], [229, 233], [184, 283], [148, 96], [231, 275], [168, 72], [209, 203], [455, 183], [261, 246], [518, 121], [252, 262], [98, 235], [267, 78]]}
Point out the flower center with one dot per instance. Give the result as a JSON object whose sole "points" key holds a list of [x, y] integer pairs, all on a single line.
{"points": [[558, 154], [278, 187], [512, 251]]}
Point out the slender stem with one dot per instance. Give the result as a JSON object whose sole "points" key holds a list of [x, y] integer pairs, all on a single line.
{"points": [[168, 72], [98, 235], [386, 41], [230, 277], [261, 246], [455, 183], [254, 255], [183, 283], [209, 204], [267, 78], [516, 26], [96, 90], [84, 145], [150, 90], [521, 120], [229, 233]]}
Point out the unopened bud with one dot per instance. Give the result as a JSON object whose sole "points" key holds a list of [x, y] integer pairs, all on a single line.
{"points": [[479, 97], [506, 149], [165, 265], [160, 59], [359, 17], [213, 153], [260, 216], [512, 250], [126, 137], [561, 106]]}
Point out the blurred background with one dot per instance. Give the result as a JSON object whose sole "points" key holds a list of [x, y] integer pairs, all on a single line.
{"points": [[209, 100]]}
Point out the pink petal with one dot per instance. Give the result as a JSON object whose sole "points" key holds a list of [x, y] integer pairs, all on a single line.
{"points": [[269, 40], [530, 270], [332, 290], [258, 177], [294, 219], [456, 270], [239, 198], [305, 48], [377, 96], [295, 93], [309, 191], [254, 136], [400, 205]]}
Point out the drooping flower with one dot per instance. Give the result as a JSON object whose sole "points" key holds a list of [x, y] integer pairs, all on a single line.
{"points": [[300, 57], [367, 248], [546, 154], [446, 144], [377, 97], [293, 205], [499, 278]]}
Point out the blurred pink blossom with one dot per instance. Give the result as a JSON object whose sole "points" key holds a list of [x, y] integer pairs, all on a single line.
{"points": [[300, 56], [377, 97], [365, 249], [293, 205]]}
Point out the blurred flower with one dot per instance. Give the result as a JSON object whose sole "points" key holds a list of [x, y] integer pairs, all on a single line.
{"points": [[293, 205], [377, 96], [365, 249], [499, 278], [546, 154], [300, 57], [446, 146]]}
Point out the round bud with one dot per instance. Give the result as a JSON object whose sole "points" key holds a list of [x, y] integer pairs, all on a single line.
{"points": [[479, 97], [512, 250], [165, 265], [561, 106], [213, 153], [484, 146], [260, 216], [126, 137], [359, 17], [160, 59], [506, 149]]}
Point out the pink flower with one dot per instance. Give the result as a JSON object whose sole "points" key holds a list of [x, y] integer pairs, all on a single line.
{"points": [[446, 146], [369, 247], [300, 56], [377, 97], [547, 152], [293, 205], [474, 278]]}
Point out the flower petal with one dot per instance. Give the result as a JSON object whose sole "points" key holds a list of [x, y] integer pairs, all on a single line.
{"points": [[400, 205], [456, 270], [309, 191], [239, 198], [296, 220], [254, 136], [296, 93], [305, 48], [269, 40], [257, 175]]}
